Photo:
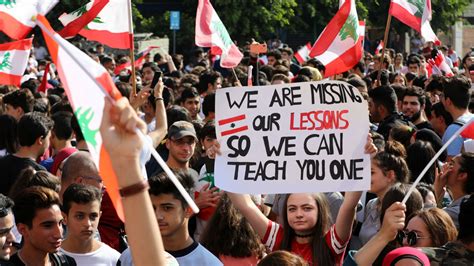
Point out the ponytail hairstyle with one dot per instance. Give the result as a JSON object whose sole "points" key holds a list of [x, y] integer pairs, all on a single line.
{"points": [[321, 252]]}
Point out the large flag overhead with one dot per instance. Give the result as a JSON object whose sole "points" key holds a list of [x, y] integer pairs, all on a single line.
{"points": [[110, 27], [339, 47], [211, 32], [13, 61], [16, 15], [417, 15], [80, 76]]}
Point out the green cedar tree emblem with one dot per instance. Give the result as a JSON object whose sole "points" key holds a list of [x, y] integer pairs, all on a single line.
{"points": [[219, 28], [81, 11], [349, 29], [84, 117], [6, 64], [8, 3], [420, 5], [208, 177]]}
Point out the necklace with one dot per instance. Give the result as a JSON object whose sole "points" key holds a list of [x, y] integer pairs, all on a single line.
{"points": [[304, 236]]}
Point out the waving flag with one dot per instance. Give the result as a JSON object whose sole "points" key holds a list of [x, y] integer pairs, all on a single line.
{"points": [[13, 61], [16, 15], [88, 15], [339, 47], [303, 53], [138, 61], [379, 48], [87, 99], [417, 15], [111, 26], [211, 32], [439, 65]]}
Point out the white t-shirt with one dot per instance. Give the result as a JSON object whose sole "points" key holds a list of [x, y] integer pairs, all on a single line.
{"points": [[126, 259], [195, 254], [104, 256]]}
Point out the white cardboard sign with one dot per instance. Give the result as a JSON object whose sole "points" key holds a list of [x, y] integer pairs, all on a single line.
{"points": [[289, 138]]}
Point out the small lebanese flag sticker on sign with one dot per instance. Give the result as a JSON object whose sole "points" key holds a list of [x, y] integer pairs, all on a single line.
{"points": [[233, 124]]}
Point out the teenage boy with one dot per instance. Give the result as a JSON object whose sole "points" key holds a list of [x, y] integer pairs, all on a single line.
{"points": [[39, 221], [81, 212], [6, 226], [173, 213]]}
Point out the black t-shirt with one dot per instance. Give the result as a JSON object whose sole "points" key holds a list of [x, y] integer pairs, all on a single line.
{"points": [[57, 259], [11, 166]]}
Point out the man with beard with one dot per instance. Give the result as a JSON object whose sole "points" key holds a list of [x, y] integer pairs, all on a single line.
{"points": [[413, 107]]}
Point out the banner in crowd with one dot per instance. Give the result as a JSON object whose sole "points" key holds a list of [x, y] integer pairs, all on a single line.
{"points": [[211, 32], [339, 47], [80, 76], [13, 61], [111, 26], [16, 15], [302, 137]]}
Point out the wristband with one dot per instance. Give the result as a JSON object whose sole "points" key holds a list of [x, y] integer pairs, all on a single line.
{"points": [[158, 99], [134, 189]]}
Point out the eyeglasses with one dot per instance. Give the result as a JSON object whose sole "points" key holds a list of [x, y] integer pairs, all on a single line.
{"points": [[183, 141], [411, 236]]}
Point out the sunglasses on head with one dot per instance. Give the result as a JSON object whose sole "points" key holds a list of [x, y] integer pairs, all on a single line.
{"points": [[411, 236]]}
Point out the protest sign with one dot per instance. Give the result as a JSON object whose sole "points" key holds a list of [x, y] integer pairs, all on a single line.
{"points": [[301, 137]]}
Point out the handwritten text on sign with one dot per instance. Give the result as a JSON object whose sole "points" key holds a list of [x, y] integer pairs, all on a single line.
{"points": [[302, 137]]}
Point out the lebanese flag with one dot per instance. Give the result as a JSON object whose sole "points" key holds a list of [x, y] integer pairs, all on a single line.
{"points": [[88, 15], [138, 61], [13, 61], [339, 47], [211, 32], [303, 53], [110, 27], [80, 75], [417, 15], [379, 48], [468, 132], [43, 87], [439, 65], [16, 15]]}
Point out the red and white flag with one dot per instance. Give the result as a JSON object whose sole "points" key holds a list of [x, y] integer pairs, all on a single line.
{"points": [[439, 65], [110, 27], [417, 15], [80, 76], [16, 15], [379, 48], [339, 47], [211, 32], [138, 61], [13, 61], [303, 53]]}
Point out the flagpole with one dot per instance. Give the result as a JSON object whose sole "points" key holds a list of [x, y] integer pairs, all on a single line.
{"points": [[387, 29], [427, 167], [132, 47]]}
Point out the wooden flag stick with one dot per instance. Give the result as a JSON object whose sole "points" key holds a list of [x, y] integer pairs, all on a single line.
{"points": [[132, 48], [385, 38]]}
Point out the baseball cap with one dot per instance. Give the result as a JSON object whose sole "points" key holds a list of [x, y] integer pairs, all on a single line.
{"points": [[181, 129]]}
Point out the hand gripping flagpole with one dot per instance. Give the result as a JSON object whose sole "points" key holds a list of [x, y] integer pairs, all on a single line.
{"points": [[445, 146], [157, 157]]}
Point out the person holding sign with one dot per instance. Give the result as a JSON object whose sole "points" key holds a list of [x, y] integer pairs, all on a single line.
{"points": [[306, 231]]}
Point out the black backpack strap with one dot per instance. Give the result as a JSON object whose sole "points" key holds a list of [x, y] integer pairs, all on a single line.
{"points": [[61, 259]]}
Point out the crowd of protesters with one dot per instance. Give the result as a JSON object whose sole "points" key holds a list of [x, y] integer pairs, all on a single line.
{"points": [[55, 210]]}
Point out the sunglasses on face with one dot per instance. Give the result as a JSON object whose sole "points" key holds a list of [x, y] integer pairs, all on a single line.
{"points": [[411, 236]]}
